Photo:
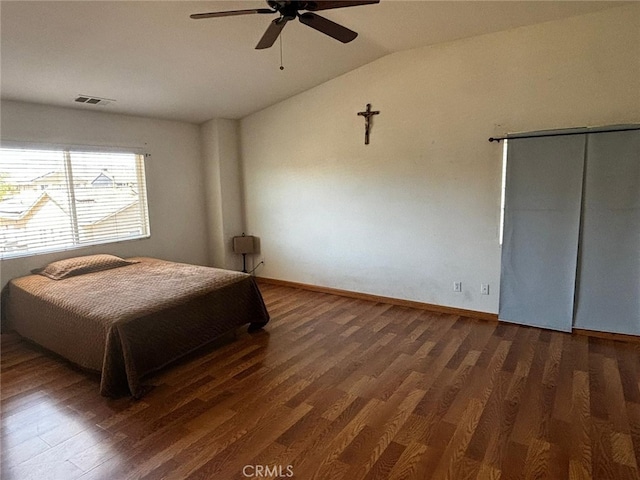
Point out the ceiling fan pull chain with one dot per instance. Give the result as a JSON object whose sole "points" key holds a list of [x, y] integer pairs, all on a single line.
{"points": [[281, 66]]}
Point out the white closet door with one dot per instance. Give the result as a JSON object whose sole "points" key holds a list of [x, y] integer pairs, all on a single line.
{"points": [[608, 295], [541, 230]]}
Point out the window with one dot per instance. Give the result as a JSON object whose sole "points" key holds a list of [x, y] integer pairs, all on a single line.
{"points": [[63, 198], [503, 190]]}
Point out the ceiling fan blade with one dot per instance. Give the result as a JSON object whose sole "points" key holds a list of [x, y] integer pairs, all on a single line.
{"points": [[230, 13], [340, 33], [327, 4], [272, 33]]}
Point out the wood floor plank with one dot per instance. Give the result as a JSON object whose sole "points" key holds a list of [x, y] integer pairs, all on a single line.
{"points": [[581, 465], [412, 462], [338, 388], [381, 469]]}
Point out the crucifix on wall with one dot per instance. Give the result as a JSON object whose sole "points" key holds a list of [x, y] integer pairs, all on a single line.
{"points": [[367, 114]]}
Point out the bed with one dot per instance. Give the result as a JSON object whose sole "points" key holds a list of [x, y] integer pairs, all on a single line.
{"points": [[127, 318]]}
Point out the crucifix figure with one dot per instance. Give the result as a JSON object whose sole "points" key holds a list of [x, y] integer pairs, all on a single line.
{"points": [[367, 114]]}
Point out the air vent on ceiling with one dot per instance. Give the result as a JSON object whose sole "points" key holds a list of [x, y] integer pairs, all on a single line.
{"points": [[93, 100]]}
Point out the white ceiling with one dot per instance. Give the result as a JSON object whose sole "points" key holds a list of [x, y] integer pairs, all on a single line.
{"points": [[155, 61]]}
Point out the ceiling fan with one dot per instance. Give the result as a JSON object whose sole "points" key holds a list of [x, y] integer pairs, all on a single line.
{"points": [[289, 10]]}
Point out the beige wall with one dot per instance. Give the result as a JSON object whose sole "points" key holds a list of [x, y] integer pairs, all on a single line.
{"points": [[175, 186], [223, 192], [418, 208]]}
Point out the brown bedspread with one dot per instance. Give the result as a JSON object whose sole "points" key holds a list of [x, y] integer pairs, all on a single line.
{"points": [[130, 321]]}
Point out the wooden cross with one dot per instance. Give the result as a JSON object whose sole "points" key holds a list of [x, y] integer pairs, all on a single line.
{"points": [[367, 114]]}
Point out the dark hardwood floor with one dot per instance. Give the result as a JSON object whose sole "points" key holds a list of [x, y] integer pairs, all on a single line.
{"points": [[338, 388]]}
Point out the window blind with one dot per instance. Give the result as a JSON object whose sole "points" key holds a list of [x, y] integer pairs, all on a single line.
{"points": [[62, 198]]}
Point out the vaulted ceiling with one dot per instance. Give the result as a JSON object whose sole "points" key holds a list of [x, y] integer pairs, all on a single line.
{"points": [[153, 60]]}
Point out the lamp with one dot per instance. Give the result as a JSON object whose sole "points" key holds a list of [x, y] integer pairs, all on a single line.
{"points": [[244, 244]]}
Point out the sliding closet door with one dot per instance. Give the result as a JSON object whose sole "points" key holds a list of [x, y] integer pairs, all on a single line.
{"points": [[608, 297], [541, 230]]}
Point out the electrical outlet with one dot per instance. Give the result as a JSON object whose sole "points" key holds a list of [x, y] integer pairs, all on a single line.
{"points": [[457, 286], [484, 288]]}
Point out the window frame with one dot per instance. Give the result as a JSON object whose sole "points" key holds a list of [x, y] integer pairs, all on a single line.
{"points": [[67, 150]]}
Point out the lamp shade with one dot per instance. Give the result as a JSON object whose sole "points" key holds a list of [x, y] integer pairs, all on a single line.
{"points": [[244, 244]]}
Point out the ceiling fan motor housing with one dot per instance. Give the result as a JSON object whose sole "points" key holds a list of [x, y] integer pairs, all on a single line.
{"points": [[293, 5], [287, 9], [278, 4]]}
